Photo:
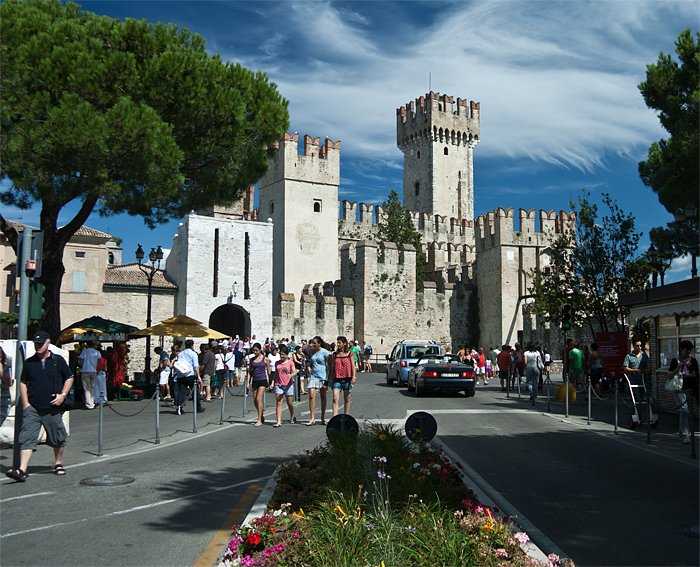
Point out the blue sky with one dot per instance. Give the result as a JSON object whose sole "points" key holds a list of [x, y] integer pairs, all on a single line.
{"points": [[557, 82]]}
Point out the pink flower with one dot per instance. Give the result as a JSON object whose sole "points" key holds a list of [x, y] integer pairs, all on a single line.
{"points": [[522, 537], [295, 534], [501, 553], [554, 559], [479, 509]]}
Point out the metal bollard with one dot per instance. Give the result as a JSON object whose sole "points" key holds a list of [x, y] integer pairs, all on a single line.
{"points": [[691, 422], [566, 394], [223, 403], [590, 395], [157, 415], [548, 384], [195, 401], [245, 399], [100, 428], [615, 432]]}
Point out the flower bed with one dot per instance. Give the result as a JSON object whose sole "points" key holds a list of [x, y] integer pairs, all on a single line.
{"points": [[377, 499]]}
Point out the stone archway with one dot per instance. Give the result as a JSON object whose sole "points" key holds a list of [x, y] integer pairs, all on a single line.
{"points": [[231, 320]]}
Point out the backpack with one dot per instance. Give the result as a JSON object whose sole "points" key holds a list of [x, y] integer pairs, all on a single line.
{"points": [[182, 367]]}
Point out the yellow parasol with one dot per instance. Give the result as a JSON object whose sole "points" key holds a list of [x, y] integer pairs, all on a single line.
{"points": [[179, 326]]}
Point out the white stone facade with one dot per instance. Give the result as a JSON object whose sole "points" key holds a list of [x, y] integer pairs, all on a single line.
{"points": [[208, 257]]}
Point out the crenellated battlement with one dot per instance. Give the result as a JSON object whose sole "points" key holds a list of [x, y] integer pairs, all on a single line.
{"points": [[319, 163], [434, 118], [498, 227]]}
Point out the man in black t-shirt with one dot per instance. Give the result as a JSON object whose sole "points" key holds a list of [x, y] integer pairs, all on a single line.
{"points": [[44, 385]]}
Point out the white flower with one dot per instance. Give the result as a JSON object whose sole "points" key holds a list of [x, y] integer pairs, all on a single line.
{"points": [[436, 466], [416, 465]]}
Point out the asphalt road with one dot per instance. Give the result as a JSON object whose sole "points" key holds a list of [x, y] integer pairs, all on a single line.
{"points": [[600, 498]]}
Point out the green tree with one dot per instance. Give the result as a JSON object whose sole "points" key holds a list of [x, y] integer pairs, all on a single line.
{"points": [[591, 265], [672, 167], [121, 117], [397, 226]]}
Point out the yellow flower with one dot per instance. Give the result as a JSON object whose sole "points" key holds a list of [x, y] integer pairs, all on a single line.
{"points": [[339, 509], [381, 437]]}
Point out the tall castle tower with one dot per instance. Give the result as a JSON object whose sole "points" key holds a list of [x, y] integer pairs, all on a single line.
{"points": [[300, 194], [437, 142]]}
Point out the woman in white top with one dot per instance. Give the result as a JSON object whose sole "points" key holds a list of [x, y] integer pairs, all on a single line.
{"points": [[533, 366]]}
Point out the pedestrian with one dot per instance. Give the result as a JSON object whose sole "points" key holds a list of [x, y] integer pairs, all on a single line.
{"points": [[636, 364], [45, 384], [577, 374], [174, 353], [186, 367], [272, 358], [163, 374], [5, 372], [687, 369], [367, 359], [480, 359], [230, 365], [595, 360], [297, 357], [355, 350], [207, 370], [87, 362], [100, 391], [519, 361], [258, 379], [221, 373], [504, 364], [342, 372], [316, 365], [547, 362], [283, 385], [533, 367], [489, 364]]}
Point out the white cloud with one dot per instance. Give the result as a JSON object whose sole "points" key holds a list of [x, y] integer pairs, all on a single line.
{"points": [[558, 80]]}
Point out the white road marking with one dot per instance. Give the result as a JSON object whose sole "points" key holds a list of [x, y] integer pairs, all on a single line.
{"points": [[130, 510], [26, 496]]}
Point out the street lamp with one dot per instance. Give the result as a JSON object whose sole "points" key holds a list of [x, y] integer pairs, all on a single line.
{"points": [[657, 265], [234, 288], [689, 217], [149, 270]]}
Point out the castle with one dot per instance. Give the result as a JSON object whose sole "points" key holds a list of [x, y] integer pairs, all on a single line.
{"points": [[303, 263]]}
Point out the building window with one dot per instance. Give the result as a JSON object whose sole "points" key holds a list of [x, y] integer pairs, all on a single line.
{"points": [[317, 205], [78, 282], [271, 207], [446, 151], [110, 258], [418, 154], [417, 188], [80, 255]]}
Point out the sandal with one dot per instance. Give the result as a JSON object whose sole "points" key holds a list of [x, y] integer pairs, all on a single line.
{"points": [[277, 425], [17, 474], [58, 469], [258, 424], [310, 423]]}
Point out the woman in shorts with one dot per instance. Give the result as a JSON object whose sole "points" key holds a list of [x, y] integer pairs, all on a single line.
{"points": [[316, 368], [258, 379], [285, 371], [342, 368]]}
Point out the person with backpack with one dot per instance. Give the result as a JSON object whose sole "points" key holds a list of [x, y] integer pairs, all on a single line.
{"points": [[186, 369], [367, 356]]}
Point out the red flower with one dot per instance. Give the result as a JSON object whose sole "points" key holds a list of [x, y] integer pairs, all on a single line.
{"points": [[253, 538]]}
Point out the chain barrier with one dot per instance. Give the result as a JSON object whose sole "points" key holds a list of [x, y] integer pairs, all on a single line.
{"points": [[111, 406]]}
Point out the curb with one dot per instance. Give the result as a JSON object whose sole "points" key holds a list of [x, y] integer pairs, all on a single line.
{"points": [[260, 505], [491, 497]]}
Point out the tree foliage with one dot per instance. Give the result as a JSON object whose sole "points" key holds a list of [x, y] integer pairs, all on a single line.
{"points": [[591, 265], [672, 167], [122, 117], [397, 226]]}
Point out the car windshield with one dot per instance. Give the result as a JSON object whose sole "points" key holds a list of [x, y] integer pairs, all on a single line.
{"points": [[426, 350]]}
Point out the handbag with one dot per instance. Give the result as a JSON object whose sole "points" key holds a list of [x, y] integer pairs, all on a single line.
{"points": [[675, 384]]}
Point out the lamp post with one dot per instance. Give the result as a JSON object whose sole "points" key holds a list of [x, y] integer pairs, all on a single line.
{"points": [[655, 264], [149, 270], [234, 288], [688, 217]]}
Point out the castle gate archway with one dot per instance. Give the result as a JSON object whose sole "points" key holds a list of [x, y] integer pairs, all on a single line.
{"points": [[231, 320]]}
